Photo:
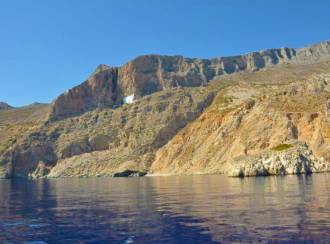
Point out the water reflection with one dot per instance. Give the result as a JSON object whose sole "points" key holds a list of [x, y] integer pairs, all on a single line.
{"points": [[166, 209]]}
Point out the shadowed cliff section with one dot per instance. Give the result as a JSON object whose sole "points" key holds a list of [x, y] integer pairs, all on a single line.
{"points": [[5, 106], [98, 91], [107, 86]]}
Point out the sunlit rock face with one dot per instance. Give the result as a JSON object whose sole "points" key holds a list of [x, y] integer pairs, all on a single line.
{"points": [[175, 115], [295, 159], [108, 86], [100, 90], [244, 132]]}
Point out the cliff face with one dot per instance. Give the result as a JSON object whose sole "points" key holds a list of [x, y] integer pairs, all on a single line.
{"points": [[245, 121], [4, 106], [188, 116], [151, 73], [100, 90], [104, 141]]}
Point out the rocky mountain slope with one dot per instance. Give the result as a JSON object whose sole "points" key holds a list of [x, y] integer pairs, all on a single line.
{"points": [[224, 115], [148, 74], [17, 122], [247, 120], [4, 106]]}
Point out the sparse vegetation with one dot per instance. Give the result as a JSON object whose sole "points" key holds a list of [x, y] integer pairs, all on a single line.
{"points": [[282, 147]]}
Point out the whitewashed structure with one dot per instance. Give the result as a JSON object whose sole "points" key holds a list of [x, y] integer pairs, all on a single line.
{"points": [[128, 99]]}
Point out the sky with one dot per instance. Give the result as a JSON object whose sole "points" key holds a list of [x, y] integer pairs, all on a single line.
{"points": [[47, 47]]}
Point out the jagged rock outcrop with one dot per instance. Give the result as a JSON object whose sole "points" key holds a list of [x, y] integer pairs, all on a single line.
{"points": [[293, 159], [313, 53], [4, 106], [100, 90], [151, 73]]}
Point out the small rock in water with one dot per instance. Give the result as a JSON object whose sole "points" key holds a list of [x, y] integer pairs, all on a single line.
{"points": [[129, 173]]}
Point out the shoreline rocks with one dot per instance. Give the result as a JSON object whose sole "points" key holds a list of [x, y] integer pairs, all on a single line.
{"points": [[298, 159]]}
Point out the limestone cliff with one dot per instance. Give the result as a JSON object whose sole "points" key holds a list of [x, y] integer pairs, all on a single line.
{"points": [[249, 119], [4, 106], [224, 115], [100, 90], [151, 73], [105, 141]]}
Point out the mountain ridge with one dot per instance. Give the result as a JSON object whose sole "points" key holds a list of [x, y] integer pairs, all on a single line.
{"points": [[175, 115], [147, 74], [5, 106]]}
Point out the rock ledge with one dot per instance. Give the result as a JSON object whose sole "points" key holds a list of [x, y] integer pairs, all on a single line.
{"points": [[298, 159]]}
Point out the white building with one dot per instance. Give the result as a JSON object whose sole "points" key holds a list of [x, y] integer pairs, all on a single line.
{"points": [[128, 99]]}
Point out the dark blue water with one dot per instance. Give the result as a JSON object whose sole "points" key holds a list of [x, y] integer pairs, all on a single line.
{"points": [[191, 209]]}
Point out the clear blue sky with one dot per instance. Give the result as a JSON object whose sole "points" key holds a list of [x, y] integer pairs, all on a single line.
{"points": [[49, 46]]}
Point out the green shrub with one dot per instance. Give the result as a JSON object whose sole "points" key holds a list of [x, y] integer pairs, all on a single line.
{"points": [[282, 147]]}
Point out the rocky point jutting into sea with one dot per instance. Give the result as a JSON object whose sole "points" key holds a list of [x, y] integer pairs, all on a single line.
{"points": [[263, 113]]}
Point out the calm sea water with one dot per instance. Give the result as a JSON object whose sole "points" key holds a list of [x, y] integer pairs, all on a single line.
{"points": [[191, 209]]}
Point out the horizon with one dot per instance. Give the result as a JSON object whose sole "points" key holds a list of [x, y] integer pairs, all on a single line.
{"points": [[46, 47]]}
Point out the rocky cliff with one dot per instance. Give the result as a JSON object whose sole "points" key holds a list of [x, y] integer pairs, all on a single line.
{"points": [[4, 106], [250, 119], [151, 73], [100, 90], [226, 115], [105, 141]]}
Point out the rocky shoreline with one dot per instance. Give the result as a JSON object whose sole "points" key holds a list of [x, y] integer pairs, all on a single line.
{"points": [[298, 159]]}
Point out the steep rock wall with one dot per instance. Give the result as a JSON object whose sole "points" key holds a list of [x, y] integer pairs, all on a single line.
{"points": [[151, 73], [243, 122]]}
